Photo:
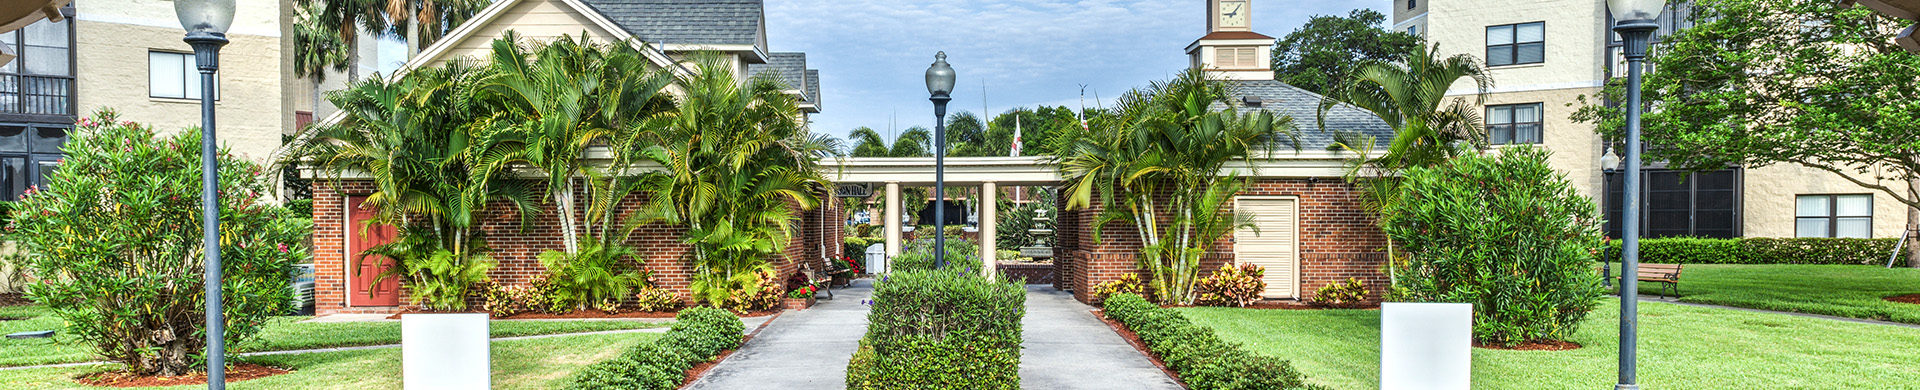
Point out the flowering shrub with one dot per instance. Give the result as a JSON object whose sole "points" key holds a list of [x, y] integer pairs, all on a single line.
{"points": [[117, 245], [1231, 286], [803, 292], [655, 299], [1127, 284], [1350, 291], [848, 263]]}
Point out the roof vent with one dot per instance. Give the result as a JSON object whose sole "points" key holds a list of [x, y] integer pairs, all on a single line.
{"points": [[1250, 101]]}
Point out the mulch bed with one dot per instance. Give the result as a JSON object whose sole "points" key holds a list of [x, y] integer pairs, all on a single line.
{"points": [[1536, 345], [235, 373], [584, 314], [1134, 340], [1909, 298], [14, 299]]}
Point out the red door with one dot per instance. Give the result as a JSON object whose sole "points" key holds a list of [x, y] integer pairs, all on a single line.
{"points": [[360, 237]]}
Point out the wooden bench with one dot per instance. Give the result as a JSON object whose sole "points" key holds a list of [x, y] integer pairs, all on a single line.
{"points": [[1657, 273], [818, 278]]}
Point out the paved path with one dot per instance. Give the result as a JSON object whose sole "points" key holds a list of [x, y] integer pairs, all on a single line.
{"points": [[806, 349], [1067, 347]]}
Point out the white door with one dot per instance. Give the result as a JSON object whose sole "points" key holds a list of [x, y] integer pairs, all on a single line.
{"points": [[1275, 246]]}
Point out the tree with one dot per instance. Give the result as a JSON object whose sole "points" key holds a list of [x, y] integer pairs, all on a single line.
{"points": [[1325, 54], [316, 48], [1795, 82], [116, 243], [738, 164], [1154, 164], [418, 22]]}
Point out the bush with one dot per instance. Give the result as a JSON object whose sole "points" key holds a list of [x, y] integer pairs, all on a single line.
{"points": [[940, 330], [655, 299], [698, 334], [918, 256], [1334, 293], [1126, 284], [504, 301], [762, 295], [1689, 250], [1231, 286], [1203, 361], [597, 273], [116, 241], [1504, 232]]}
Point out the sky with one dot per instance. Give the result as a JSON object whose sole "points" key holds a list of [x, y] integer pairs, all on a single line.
{"points": [[873, 54]]}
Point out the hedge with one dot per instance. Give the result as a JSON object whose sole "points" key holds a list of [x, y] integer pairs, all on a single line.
{"points": [[1203, 360], [940, 330], [697, 336], [1688, 250]]}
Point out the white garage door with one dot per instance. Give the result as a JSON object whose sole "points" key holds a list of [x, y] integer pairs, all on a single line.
{"points": [[1276, 246]]}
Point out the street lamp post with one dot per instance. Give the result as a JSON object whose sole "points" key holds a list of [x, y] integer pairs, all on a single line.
{"points": [[206, 22], [1635, 21], [940, 84]]}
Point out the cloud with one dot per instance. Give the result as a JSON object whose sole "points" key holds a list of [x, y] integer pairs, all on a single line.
{"points": [[872, 53]]}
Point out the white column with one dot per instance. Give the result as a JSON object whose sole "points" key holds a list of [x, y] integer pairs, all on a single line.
{"points": [[989, 219], [892, 220]]}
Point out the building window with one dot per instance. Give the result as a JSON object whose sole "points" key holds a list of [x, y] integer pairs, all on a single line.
{"points": [[1679, 204], [1413, 30], [40, 80], [1235, 58], [1514, 124], [28, 153], [1514, 44], [1838, 216], [175, 76], [1412, 3]]}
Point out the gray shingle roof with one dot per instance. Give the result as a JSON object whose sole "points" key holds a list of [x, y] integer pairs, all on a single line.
{"points": [[709, 22], [1282, 99], [789, 68], [813, 87]]}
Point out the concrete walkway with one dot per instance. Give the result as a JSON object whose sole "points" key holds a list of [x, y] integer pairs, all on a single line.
{"points": [[1067, 347], [806, 349]]}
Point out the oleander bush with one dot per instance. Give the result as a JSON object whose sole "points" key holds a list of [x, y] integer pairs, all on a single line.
{"points": [[1203, 360], [1505, 232], [1691, 250], [698, 335], [1231, 286], [946, 329]]}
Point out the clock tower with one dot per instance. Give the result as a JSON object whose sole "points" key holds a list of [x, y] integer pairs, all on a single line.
{"points": [[1231, 50]]}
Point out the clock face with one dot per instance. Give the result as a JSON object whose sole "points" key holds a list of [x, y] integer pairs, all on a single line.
{"points": [[1233, 14]]}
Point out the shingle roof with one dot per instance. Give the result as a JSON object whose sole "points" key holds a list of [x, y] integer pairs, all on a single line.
{"points": [[813, 87], [789, 68], [1282, 99], [710, 22]]}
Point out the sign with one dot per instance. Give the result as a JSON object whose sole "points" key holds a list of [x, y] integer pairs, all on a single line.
{"points": [[445, 351], [1426, 346]]}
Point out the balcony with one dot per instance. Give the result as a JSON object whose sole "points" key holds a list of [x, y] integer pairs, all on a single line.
{"points": [[34, 95]]}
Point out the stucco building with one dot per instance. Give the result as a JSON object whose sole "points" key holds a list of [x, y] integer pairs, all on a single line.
{"points": [[1544, 56]]}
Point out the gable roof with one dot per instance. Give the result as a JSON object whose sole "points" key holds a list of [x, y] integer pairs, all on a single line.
{"points": [[789, 68], [699, 22], [813, 87], [1304, 106]]}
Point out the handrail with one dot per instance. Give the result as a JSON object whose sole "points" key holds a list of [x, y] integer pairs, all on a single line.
{"points": [[36, 94]]}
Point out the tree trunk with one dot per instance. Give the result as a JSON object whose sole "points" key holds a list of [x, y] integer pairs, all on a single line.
{"points": [[1913, 222], [564, 199]]}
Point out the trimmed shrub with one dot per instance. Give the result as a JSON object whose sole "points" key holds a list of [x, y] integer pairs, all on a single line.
{"points": [[1689, 250], [1203, 361], [940, 330], [918, 256], [1504, 232], [698, 335], [1231, 286]]}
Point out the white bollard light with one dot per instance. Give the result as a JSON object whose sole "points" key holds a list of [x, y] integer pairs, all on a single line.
{"points": [[445, 351], [1426, 346]]}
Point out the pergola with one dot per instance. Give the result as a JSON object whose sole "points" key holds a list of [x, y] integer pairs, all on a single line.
{"points": [[15, 14], [1904, 9]]}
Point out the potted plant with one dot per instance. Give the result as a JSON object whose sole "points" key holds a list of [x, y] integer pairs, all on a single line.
{"points": [[844, 270], [799, 298]]}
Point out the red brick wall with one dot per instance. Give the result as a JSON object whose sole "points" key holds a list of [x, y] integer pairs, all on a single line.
{"points": [[1337, 240], [516, 247]]}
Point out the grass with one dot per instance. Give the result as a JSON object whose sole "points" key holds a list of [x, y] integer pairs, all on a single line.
{"points": [[1837, 290], [280, 334], [1681, 347], [517, 364]]}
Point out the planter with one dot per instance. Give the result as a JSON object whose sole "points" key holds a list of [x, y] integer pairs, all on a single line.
{"points": [[796, 303]]}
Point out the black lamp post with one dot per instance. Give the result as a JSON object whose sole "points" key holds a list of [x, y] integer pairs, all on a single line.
{"points": [[206, 22], [1635, 20], [940, 83]]}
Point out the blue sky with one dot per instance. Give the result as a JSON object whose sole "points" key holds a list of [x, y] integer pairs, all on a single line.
{"points": [[873, 54]]}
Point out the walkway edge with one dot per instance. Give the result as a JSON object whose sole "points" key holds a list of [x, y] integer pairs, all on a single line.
{"points": [[1789, 313]]}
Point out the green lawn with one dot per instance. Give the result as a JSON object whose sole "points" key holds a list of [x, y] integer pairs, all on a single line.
{"points": [[281, 333], [518, 364], [1836, 290], [1681, 347]]}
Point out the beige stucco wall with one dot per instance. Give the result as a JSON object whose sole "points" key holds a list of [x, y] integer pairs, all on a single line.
{"points": [[1575, 146], [1771, 191], [1401, 16], [111, 62], [1574, 45]]}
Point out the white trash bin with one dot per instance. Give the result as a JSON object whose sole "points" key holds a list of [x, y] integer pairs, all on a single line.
{"points": [[877, 259]]}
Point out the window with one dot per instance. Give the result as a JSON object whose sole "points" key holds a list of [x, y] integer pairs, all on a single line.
{"points": [[174, 75], [44, 48], [1514, 124], [1235, 58], [1412, 3], [28, 153], [1413, 30], [1679, 204], [1514, 44], [1838, 216]]}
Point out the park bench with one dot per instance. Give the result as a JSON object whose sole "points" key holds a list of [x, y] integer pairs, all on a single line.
{"points": [[1657, 273], [819, 278]]}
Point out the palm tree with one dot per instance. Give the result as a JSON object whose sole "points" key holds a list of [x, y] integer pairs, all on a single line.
{"points": [[316, 49], [1154, 163], [557, 101], [1409, 98], [738, 161], [419, 22]]}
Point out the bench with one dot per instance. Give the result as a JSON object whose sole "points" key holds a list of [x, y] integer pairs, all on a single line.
{"points": [[1657, 273], [818, 278]]}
